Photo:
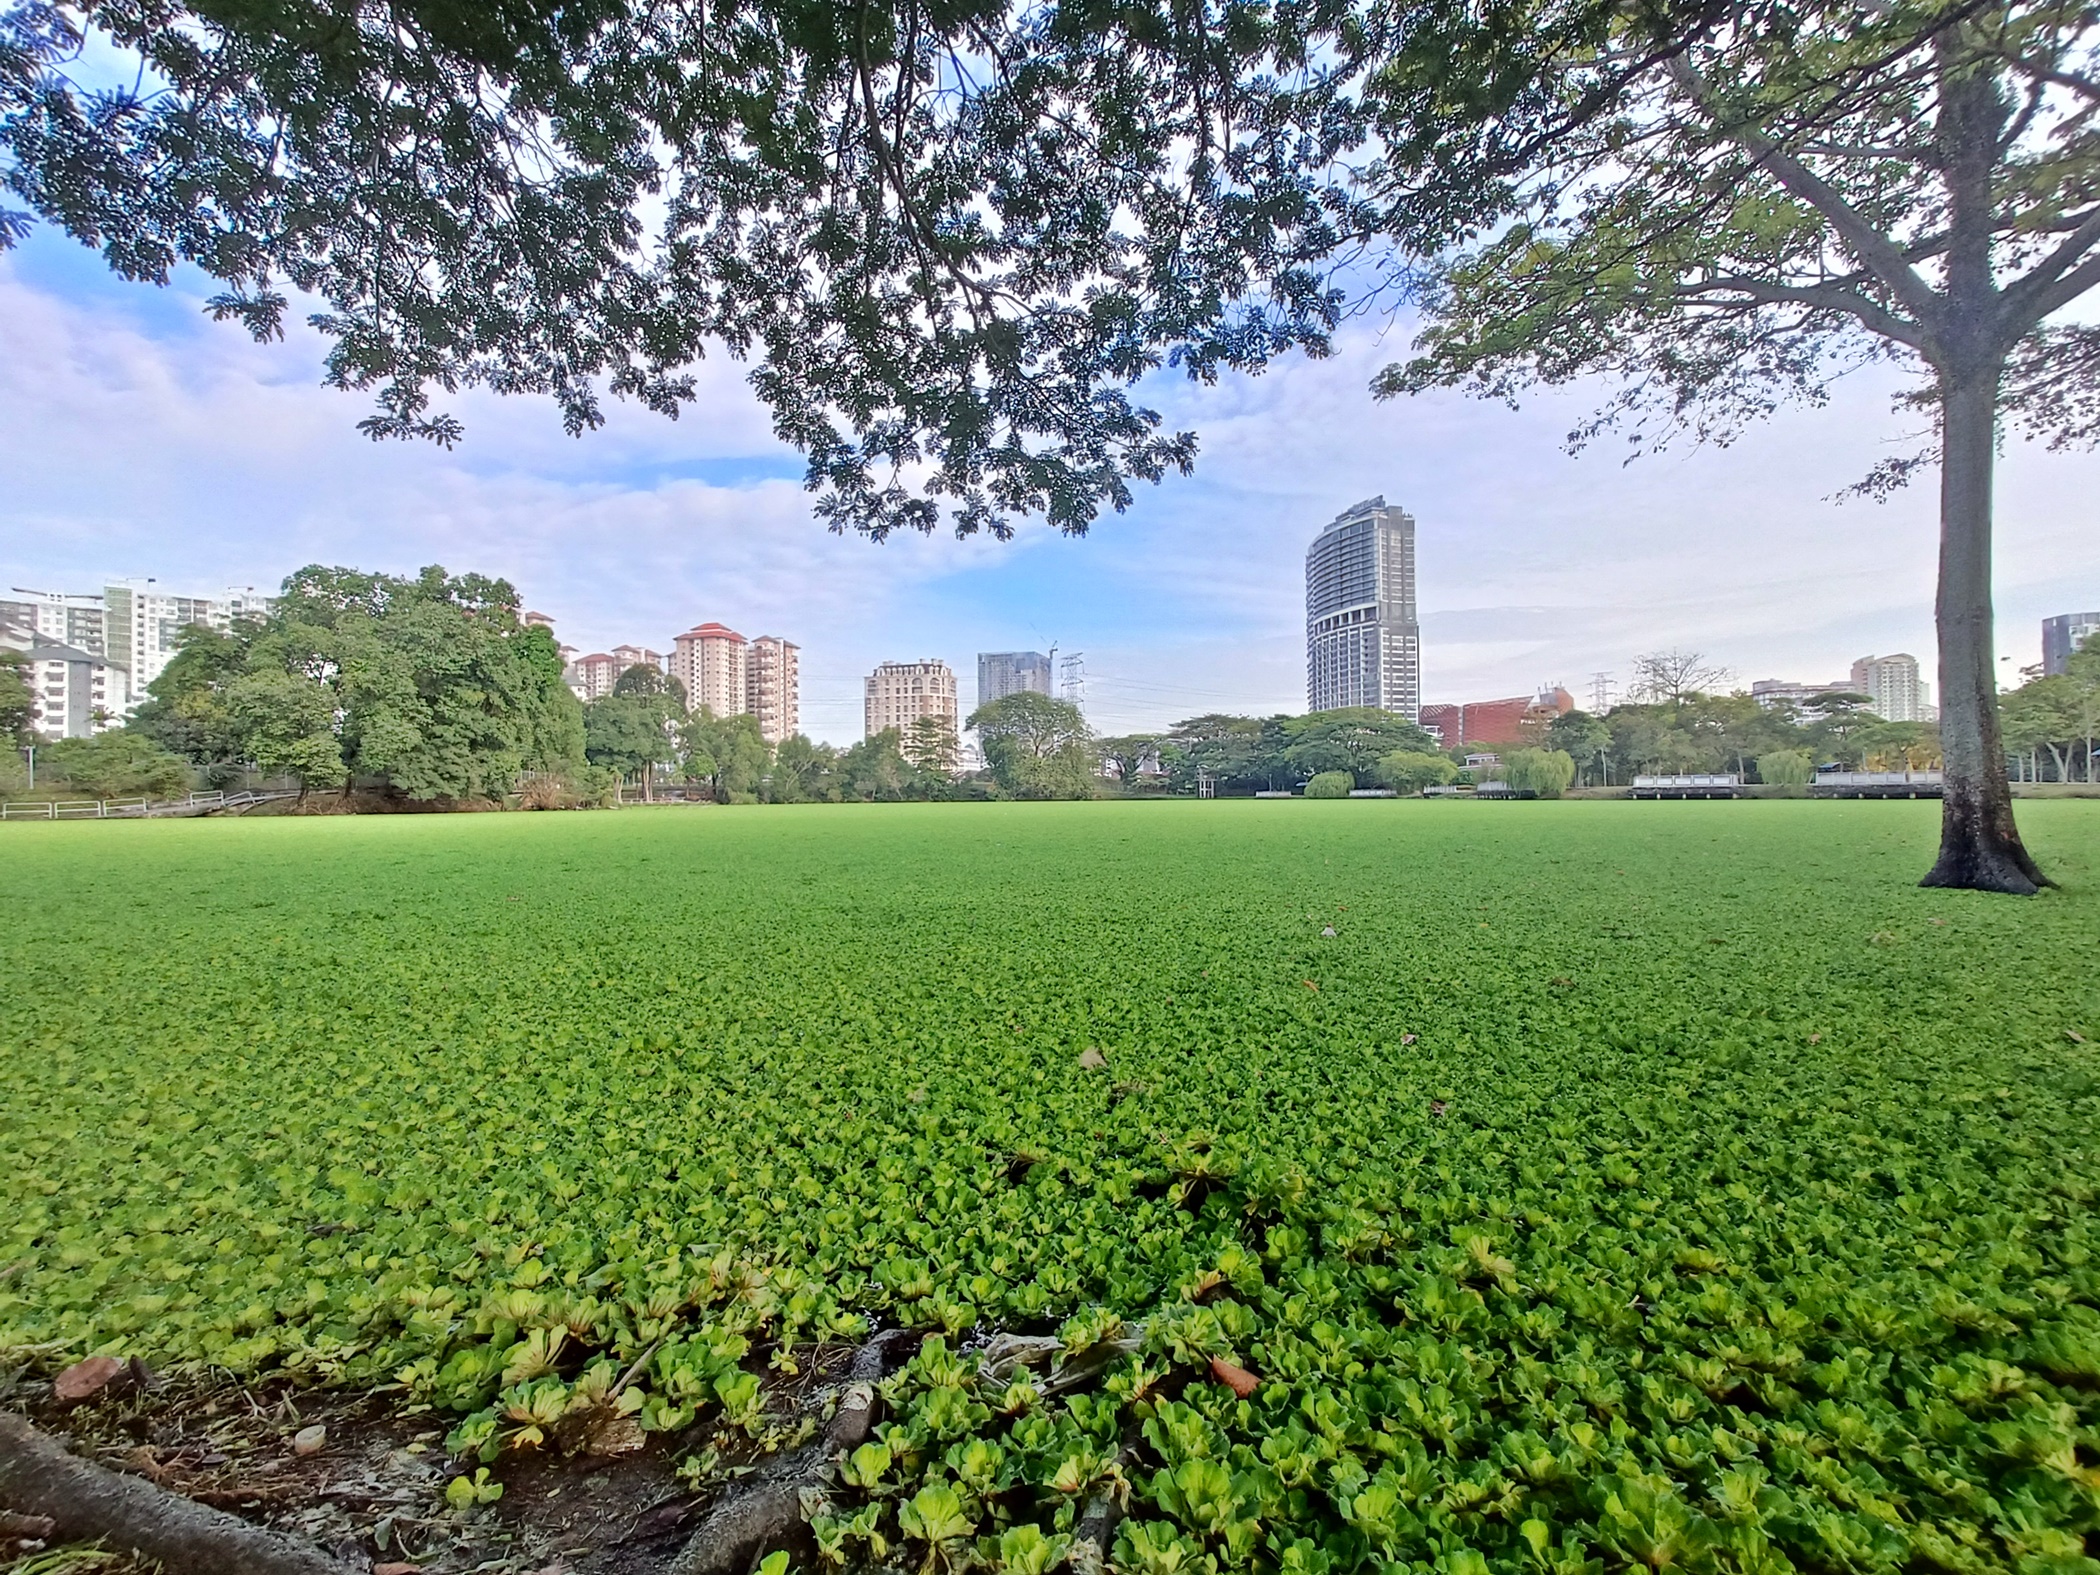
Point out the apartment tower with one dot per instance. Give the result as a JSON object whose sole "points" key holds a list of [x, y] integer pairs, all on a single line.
{"points": [[900, 693], [1892, 685], [772, 686], [1003, 673], [1363, 645], [2062, 635], [710, 661]]}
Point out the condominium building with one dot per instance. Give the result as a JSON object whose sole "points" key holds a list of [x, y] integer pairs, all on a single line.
{"points": [[2062, 635], [1771, 692], [97, 653], [900, 693], [1363, 645], [710, 661], [592, 677], [1893, 688], [1003, 673], [637, 656], [772, 687], [143, 627]]}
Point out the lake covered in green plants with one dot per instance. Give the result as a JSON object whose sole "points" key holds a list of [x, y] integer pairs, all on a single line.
{"points": [[1587, 1185]]}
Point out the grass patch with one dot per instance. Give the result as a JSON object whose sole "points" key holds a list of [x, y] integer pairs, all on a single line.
{"points": [[1637, 1183]]}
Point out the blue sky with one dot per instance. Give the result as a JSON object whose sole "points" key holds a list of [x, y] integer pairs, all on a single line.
{"points": [[139, 438]]}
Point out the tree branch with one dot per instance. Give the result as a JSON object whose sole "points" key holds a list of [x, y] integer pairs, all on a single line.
{"points": [[2049, 284], [1874, 249], [1829, 297]]}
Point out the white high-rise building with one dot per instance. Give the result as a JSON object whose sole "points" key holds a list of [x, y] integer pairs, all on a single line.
{"points": [[709, 660], [1363, 645], [144, 626], [95, 655], [1892, 685], [772, 687], [900, 693]]}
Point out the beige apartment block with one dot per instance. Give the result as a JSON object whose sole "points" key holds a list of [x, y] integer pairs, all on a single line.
{"points": [[711, 661], [592, 677], [1894, 687], [637, 656], [772, 687], [900, 693]]}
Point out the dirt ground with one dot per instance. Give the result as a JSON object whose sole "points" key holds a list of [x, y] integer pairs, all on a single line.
{"points": [[373, 1493]]}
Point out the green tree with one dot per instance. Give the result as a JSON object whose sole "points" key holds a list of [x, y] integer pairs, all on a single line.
{"points": [[1786, 768], [931, 745], [1411, 770], [2041, 715], [115, 764], [1584, 739], [1896, 746], [1330, 784], [802, 772], [889, 210], [728, 753], [1036, 746], [1126, 754], [1351, 739], [1241, 753], [1740, 213], [875, 770], [186, 709], [1545, 773], [283, 719], [18, 707]]}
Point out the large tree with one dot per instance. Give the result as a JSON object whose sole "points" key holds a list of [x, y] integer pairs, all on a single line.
{"points": [[1037, 746], [947, 237], [1771, 198]]}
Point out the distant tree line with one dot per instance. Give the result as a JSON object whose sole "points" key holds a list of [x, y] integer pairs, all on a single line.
{"points": [[432, 688]]}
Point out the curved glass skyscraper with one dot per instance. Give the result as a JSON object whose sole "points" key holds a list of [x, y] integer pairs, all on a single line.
{"points": [[1362, 643]]}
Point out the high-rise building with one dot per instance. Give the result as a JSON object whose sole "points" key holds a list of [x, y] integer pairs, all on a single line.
{"points": [[772, 686], [900, 693], [709, 659], [1363, 646], [143, 626], [1003, 673], [2062, 635], [592, 677], [637, 656], [104, 650], [1771, 692], [1893, 688]]}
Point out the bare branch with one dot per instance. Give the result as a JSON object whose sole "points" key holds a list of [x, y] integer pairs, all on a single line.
{"points": [[2049, 284]]}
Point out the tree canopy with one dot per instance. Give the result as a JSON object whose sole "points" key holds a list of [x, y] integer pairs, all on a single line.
{"points": [[429, 687], [1037, 746]]}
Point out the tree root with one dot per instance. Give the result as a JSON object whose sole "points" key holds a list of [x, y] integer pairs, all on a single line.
{"points": [[85, 1503], [745, 1520]]}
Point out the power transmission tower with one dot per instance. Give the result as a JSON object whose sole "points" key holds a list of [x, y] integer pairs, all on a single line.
{"points": [[1600, 693], [1071, 674]]}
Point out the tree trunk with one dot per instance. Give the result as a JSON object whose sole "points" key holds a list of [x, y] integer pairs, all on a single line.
{"points": [[1980, 848]]}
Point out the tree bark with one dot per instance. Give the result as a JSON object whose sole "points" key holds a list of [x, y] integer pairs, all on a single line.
{"points": [[87, 1503], [1980, 847]]}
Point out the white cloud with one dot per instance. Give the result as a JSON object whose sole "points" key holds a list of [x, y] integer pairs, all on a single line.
{"points": [[137, 441]]}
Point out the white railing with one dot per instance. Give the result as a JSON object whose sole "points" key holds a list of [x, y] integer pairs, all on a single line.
{"points": [[138, 808]]}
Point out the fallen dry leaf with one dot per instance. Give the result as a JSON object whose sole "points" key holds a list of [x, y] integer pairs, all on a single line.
{"points": [[2074, 1036], [1308, 984], [1407, 1039], [1234, 1377], [1091, 1060], [98, 1377]]}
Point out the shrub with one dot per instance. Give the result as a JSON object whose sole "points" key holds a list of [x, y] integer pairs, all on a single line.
{"points": [[115, 765], [1786, 768], [1545, 773], [1408, 771], [1330, 784]]}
